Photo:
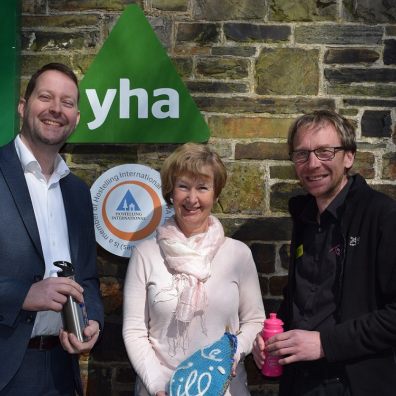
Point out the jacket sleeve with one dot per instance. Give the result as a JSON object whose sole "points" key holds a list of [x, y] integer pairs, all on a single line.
{"points": [[20, 262], [89, 279], [284, 311], [251, 310], [372, 332], [12, 295], [136, 327]]}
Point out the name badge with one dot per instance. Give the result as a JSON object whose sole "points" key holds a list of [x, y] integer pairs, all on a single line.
{"points": [[299, 251]]}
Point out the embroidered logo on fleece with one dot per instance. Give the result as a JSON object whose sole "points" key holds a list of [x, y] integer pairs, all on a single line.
{"points": [[354, 240], [336, 250]]}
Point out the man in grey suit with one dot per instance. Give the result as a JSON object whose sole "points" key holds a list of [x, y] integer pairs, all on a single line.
{"points": [[45, 216]]}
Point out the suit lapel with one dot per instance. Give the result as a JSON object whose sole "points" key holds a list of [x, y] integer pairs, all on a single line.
{"points": [[72, 217], [12, 171]]}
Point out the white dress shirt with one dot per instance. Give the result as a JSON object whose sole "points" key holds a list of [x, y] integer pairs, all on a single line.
{"points": [[50, 216]]}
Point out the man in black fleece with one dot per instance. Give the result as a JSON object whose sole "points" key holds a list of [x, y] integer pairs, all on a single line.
{"points": [[339, 306]]}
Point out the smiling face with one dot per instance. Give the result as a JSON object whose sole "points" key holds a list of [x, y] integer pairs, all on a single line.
{"points": [[193, 199], [322, 179], [51, 114]]}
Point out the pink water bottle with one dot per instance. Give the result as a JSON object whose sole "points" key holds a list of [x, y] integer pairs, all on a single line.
{"points": [[271, 366]]}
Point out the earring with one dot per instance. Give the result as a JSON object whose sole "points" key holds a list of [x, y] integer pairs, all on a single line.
{"points": [[171, 200]]}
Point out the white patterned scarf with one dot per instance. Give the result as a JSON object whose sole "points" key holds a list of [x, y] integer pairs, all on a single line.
{"points": [[190, 259]]}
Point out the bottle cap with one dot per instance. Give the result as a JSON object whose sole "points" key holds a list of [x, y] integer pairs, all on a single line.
{"points": [[67, 268], [272, 322]]}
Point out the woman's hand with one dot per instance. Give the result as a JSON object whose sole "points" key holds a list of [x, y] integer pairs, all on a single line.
{"points": [[237, 356], [258, 351]]}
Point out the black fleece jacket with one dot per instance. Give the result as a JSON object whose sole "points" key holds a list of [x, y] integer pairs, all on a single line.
{"points": [[364, 338]]}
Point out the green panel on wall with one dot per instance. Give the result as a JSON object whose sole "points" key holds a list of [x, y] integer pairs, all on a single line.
{"points": [[9, 68]]}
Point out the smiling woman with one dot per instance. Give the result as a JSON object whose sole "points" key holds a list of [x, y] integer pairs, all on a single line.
{"points": [[192, 179], [184, 288]]}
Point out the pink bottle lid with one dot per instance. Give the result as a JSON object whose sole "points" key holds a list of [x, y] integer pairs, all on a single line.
{"points": [[272, 322]]}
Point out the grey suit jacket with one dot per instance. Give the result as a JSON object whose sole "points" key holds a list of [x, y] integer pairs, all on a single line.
{"points": [[22, 262]]}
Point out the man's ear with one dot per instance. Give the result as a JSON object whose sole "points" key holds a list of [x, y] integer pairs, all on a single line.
{"points": [[349, 158], [21, 107]]}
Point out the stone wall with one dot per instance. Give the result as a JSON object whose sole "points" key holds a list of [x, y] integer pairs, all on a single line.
{"points": [[251, 66]]}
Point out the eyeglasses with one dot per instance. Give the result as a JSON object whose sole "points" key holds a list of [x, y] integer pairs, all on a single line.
{"points": [[322, 154]]}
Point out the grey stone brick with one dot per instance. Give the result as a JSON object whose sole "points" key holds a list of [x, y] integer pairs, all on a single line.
{"points": [[284, 255], [170, 5], [78, 5], [183, 66], [162, 27], [347, 74], [376, 123], [203, 33], [390, 52], [287, 71], [350, 55], [244, 51], [258, 228], [240, 104], [277, 284], [338, 34], [390, 30], [307, 10], [364, 164], [370, 102], [223, 67], [280, 195], [60, 21], [389, 166], [229, 10], [55, 41], [261, 151], [264, 257], [382, 90], [247, 32], [243, 192], [217, 87], [282, 172], [388, 189], [369, 11]]}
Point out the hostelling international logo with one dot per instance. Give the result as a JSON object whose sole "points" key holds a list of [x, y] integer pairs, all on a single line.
{"points": [[128, 207]]}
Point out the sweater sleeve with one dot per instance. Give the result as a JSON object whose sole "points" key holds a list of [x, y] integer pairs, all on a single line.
{"points": [[136, 327], [251, 310], [371, 332]]}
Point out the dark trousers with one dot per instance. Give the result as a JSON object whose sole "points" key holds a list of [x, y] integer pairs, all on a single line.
{"points": [[314, 379], [331, 387], [42, 373]]}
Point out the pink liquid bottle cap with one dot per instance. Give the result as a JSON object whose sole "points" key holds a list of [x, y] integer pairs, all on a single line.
{"points": [[273, 321]]}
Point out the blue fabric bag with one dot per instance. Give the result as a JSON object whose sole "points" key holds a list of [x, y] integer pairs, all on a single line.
{"points": [[206, 372]]}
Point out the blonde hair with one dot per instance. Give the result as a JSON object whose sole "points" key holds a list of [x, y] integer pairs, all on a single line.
{"points": [[192, 159], [343, 127]]}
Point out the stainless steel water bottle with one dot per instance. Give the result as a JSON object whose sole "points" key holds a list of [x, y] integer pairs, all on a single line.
{"points": [[74, 315]]}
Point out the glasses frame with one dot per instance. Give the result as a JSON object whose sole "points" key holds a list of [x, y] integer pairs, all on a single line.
{"points": [[334, 150]]}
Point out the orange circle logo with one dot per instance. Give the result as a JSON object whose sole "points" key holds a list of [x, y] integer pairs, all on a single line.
{"points": [[127, 207], [145, 231]]}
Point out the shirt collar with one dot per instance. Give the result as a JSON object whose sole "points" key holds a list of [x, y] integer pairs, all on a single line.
{"points": [[310, 211], [31, 165], [337, 203]]}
